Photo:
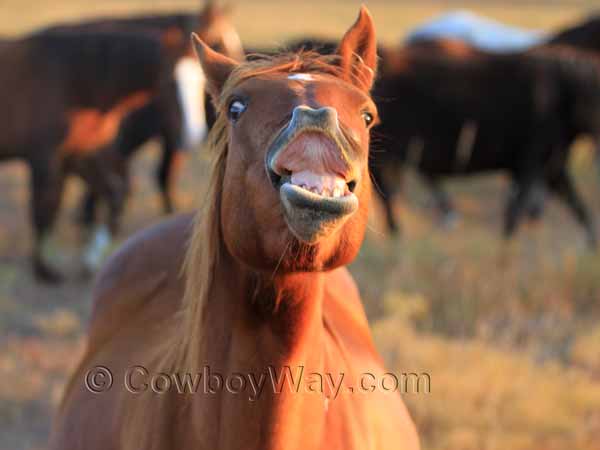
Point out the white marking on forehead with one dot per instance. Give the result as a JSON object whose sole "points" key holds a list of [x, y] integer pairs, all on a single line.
{"points": [[301, 77]]}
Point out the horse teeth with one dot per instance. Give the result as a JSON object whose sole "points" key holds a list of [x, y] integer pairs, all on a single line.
{"points": [[328, 185]]}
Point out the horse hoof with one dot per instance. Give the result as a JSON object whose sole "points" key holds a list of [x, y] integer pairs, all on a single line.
{"points": [[46, 274]]}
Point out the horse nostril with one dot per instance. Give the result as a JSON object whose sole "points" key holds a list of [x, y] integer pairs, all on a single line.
{"points": [[352, 185]]}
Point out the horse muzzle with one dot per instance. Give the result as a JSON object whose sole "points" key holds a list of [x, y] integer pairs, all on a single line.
{"points": [[311, 164]]}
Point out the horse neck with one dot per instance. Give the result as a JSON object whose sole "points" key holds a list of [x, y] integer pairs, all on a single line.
{"points": [[256, 323], [282, 311]]}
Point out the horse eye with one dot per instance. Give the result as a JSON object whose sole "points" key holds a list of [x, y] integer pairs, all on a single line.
{"points": [[368, 118], [236, 109]]}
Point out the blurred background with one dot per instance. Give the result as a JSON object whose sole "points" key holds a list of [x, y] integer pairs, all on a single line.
{"points": [[509, 333]]}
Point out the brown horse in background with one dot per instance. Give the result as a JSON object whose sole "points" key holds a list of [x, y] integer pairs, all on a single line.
{"points": [[450, 110], [265, 285], [584, 35], [176, 118], [575, 71], [97, 105], [65, 95]]}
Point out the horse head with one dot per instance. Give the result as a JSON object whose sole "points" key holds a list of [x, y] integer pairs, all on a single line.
{"points": [[292, 137]]}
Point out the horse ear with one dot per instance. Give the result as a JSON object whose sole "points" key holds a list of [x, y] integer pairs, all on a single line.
{"points": [[216, 67], [358, 51]]}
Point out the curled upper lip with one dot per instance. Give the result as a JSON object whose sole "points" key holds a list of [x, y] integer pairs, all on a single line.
{"points": [[308, 120]]}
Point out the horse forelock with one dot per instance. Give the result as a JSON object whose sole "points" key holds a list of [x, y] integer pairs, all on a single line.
{"points": [[305, 62]]}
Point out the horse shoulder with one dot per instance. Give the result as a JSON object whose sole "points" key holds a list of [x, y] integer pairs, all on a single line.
{"points": [[146, 269], [136, 296]]}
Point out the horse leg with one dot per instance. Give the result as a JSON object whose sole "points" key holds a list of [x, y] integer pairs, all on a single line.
{"points": [[107, 175], [115, 191], [87, 209], [47, 180], [596, 141], [171, 121], [386, 194], [167, 174], [518, 204], [442, 201], [536, 203], [562, 185]]}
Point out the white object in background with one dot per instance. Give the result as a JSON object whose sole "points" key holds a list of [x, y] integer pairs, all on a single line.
{"points": [[191, 84], [97, 248], [480, 32]]}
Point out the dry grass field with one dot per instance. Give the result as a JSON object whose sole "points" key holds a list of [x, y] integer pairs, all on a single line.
{"points": [[510, 335]]}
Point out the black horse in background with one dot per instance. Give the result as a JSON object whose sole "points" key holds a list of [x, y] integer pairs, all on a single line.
{"points": [[451, 114], [584, 37], [65, 97], [448, 109], [176, 118]]}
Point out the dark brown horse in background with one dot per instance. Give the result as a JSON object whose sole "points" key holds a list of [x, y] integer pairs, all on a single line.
{"points": [[171, 111], [450, 112], [65, 96], [265, 287], [577, 85], [177, 118], [582, 36]]}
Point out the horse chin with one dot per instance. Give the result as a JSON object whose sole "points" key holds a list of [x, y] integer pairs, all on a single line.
{"points": [[312, 217]]}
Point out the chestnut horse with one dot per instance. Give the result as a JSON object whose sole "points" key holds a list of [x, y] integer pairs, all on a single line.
{"points": [[265, 288]]}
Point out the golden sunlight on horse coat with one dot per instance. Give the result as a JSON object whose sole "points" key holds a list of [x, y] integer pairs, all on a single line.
{"points": [[264, 286]]}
